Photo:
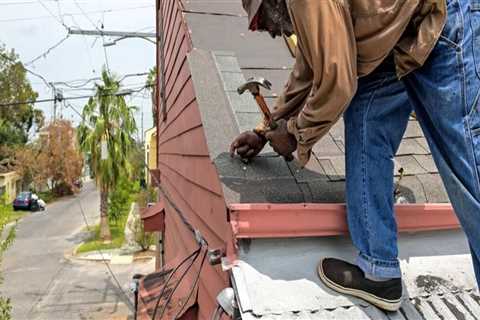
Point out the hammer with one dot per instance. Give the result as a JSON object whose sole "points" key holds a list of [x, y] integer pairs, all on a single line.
{"points": [[253, 85]]}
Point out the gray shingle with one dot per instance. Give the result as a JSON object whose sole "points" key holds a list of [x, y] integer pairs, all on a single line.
{"points": [[423, 143], [312, 171], [217, 7], [232, 80], [326, 147], [329, 169], [242, 103], [426, 161], [253, 49], [411, 189], [413, 130], [248, 120], [434, 189], [227, 63], [277, 77], [410, 165], [339, 165], [327, 191], [338, 130], [411, 146], [268, 168]]}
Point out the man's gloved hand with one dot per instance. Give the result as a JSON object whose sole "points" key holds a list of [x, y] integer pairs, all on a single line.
{"points": [[281, 140], [247, 145]]}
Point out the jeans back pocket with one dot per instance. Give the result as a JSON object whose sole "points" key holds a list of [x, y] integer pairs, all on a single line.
{"points": [[475, 24]]}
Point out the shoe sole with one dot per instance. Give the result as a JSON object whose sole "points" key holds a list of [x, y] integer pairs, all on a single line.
{"points": [[385, 304]]}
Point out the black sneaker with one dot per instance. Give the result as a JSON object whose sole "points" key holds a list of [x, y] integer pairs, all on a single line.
{"points": [[349, 279]]}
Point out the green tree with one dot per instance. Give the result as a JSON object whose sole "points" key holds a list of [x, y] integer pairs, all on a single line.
{"points": [[7, 235], [151, 84], [106, 135], [121, 198], [16, 121]]}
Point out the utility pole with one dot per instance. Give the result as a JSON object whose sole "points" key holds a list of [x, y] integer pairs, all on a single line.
{"points": [[54, 102]]}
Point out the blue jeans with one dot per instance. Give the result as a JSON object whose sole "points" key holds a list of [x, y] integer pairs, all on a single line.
{"points": [[445, 95]]}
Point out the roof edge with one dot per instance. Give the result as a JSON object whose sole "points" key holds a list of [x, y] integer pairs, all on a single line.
{"points": [[318, 220]]}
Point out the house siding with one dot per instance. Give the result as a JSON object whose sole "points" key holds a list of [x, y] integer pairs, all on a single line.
{"points": [[187, 174]]}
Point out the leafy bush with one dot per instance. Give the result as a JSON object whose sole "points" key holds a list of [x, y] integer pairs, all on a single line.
{"points": [[146, 196], [142, 238], [7, 235], [120, 199], [47, 196], [5, 309]]}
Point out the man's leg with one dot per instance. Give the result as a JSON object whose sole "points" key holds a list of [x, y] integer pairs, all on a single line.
{"points": [[375, 122], [445, 93], [374, 126]]}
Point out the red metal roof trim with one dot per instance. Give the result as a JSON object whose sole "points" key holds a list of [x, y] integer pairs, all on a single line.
{"points": [[154, 217], [153, 284], [313, 220]]}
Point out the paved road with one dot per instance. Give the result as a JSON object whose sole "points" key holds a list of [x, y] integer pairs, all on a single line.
{"points": [[43, 284]]}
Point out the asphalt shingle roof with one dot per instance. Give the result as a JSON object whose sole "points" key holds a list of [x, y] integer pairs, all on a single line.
{"points": [[221, 28]]}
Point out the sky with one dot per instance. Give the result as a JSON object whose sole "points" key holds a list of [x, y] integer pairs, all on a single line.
{"points": [[31, 27]]}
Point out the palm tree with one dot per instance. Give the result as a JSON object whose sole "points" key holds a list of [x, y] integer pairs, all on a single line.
{"points": [[106, 135]]}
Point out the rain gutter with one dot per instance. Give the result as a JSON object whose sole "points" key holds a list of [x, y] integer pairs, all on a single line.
{"points": [[316, 220]]}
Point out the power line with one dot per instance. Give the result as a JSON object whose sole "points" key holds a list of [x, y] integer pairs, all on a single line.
{"points": [[16, 103], [26, 69], [46, 52], [77, 14], [87, 81], [88, 50], [7, 3], [59, 20]]}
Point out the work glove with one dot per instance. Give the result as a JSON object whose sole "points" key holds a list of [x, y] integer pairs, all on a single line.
{"points": [[281, 140], [247, 145]]}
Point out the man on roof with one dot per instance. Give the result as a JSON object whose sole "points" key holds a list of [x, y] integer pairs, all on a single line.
{"points": [[374, 62]]}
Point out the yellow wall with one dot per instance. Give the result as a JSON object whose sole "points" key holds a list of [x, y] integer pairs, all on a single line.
{"points": [[150, 151], [10, 184]]}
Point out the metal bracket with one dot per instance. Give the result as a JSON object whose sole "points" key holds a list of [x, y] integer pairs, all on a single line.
{"points": [[215, 256]]}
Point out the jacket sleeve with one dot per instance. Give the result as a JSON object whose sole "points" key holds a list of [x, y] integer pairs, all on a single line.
{"points": [[324, 78]]}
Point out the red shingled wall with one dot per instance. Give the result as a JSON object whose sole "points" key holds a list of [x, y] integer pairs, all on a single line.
{"points": [[187, 174]]}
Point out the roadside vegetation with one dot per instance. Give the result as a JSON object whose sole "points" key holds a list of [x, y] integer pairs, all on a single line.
{"points": [[120, 201], [7, 235], [106, 135]]}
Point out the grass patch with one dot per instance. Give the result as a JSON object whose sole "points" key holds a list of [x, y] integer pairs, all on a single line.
{"points": [[16, 215], [94, 244]]}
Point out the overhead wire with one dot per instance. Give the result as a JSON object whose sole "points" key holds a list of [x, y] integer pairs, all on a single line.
{"points": [[84, 38], [59, 20], [26, 69], [46, 52], [107, 11], [66, 98], [87, 81], [107, 64]]}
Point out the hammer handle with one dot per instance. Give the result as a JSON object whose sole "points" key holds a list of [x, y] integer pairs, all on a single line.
{"points": [[266, 111]]}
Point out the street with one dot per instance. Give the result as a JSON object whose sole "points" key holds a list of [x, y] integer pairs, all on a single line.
{"points": [[43, 281]]}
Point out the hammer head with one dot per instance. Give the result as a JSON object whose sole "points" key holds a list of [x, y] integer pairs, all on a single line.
{"points": [[253, 85]]}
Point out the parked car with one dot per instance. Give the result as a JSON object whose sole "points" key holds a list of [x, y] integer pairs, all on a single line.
{"points": [[27, 200], [23, 201]]}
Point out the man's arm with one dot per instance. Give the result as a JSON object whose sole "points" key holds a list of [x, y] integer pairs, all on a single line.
{"points": [[324, 78]]}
